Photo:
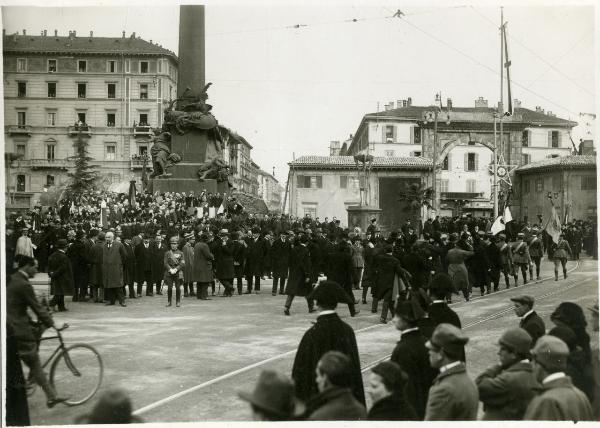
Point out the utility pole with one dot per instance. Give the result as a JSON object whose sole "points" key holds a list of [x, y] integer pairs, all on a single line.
{"points": [[495, 167], [501, 106]]}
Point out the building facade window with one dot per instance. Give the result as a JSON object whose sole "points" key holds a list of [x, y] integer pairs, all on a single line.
{"points": [[525, 159], [444, 185], [539, 184], [592, 211], [111, 152], [21, 119], [415, 154], [159, 65], [110, 119], [81, 117], [51, 89], [111, 66], [127, 66], [309, 181], [21, 65], [416, 134], [51, 66], [445, 164], [310, 210], [525, 138], [81, 90], [51, 118], [143, 67], [142, 150], [82, 66], [50, 151], [471, 162], [112, 90], [20, 183], [21, 150], [21, 89], [553, 136], [389, 133], [471, 186], [143, 119], [144, 91], [343, 181], [49, 180], [588, 182], [525, 187], [555, 182]]}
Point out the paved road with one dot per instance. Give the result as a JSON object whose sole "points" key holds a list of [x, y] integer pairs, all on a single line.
{"points": [[206, 351]]}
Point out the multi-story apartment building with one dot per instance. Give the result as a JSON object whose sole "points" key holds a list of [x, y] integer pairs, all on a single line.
{"points": [[117, 87], [270, 191], [465, 135]]}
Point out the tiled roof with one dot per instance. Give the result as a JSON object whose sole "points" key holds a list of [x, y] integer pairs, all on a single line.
{"points": [[475, 114], [565, 162], [346, 162], [88, 45]]}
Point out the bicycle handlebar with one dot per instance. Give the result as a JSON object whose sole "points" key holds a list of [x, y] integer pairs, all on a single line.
{"points": [[64, 327]]}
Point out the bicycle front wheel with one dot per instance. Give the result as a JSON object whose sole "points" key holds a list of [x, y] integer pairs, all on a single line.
{"points": [[77, 373]]}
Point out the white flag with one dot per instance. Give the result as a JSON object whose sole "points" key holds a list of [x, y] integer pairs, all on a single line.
{"points": [[221, 209], [212, 212], [507, 215], [498, 226]]}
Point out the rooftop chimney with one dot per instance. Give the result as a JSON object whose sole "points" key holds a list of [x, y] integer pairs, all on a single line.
{"points": [[399, 103], [55, 33], [449, 103], [409, 102], [388, 107], [133, 35], [24, 32], [481, 102], [123, 34], [516, 103], [45, 33], [150, 41], [549, 113], [91, 34], [74, 33], [539, 109]]}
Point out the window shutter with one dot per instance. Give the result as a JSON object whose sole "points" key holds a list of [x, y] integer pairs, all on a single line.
{"points": [[299, 181], [449, 156], [319, 181], [549, 138], [466, 167], [476, 161], [412, 134], [383, 139], [394, 133], [559, 138]]}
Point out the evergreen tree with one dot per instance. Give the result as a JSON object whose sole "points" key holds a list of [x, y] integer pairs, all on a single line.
{"points": [[83, 179]]}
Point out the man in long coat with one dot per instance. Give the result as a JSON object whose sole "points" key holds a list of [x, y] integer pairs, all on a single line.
{"points": [[280, 262], [157, 256], [61, 276], [143, 264], [77, 255], [129, 268], [299, 283], [340, 270], [95, 261], [329, 333], [255, 254], [224, 262], [203, 267], [113, 257], [239, 258], [188, 268], [412, 356], [386, 269]]}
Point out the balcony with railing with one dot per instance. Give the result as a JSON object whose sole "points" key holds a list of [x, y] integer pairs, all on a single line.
{"points": [[137, 162], [142, 130], [20, 130], [38, 164], [84, 129]]}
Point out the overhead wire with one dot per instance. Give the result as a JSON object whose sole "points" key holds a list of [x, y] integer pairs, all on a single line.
{"points": [[475, 60], [534, 53]]}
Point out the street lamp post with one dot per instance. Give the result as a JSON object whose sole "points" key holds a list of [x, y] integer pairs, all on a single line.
{"points": [[429, 117]]}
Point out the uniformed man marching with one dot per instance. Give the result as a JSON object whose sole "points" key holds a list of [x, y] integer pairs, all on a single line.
{"points": [[174, 263], [521, 258]]}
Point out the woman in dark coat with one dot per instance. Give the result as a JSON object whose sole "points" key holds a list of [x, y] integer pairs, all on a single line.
{"points": [[386, 388]]}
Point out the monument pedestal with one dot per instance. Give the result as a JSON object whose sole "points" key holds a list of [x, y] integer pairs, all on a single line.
{"points": [[178, 185], [361, 216]]}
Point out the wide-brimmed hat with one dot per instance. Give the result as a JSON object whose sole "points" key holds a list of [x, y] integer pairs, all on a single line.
{"points": [[274, 394]]}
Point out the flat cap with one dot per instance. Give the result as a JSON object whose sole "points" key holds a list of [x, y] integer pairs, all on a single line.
{"points": [[516, 339], [449, 338], [551, 352], [528, 300]]}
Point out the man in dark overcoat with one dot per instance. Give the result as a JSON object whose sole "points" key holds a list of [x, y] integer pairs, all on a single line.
{"points": [[203, 267], [412, 356], [329, 333], [95, 261], [239, 258], [299, 283], [77, 256], [255, 254], [224, 260], [60, 272], [143, 262], [129, 268], [386, 268], [113, 258], [339, 269], [480, 263], [157, 256], [280, 260], [439, 312]]}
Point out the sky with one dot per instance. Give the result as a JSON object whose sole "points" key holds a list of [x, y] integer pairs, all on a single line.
{"points": [[290, 91]]}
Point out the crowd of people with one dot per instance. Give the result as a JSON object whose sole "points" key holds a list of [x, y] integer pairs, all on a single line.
{"points": [[109, 247]]}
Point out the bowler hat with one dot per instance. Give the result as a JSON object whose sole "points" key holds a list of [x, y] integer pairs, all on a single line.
{"points": [[441, 284], [113, 407], [274, 394], [551, 352], [516, 339], [329, 292], [407, 311], [527, 300], [61, 243], [449, 338]]}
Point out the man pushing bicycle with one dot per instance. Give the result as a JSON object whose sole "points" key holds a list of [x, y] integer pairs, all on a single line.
{"points": [[19, 297]]}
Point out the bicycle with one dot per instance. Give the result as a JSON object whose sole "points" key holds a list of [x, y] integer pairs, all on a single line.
{"points": [[76, 370]]}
